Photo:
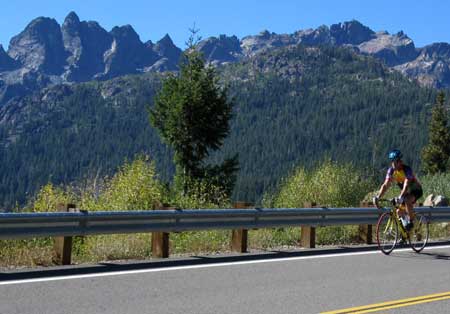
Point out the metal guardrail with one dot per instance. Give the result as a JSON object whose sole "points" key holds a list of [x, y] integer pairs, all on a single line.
{"points": [[28, 225]]}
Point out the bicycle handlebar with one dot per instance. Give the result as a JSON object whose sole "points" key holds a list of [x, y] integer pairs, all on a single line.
{"points": [[391, 201]]}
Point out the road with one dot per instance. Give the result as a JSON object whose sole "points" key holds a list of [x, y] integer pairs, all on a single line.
{"points": [[311, 281]]}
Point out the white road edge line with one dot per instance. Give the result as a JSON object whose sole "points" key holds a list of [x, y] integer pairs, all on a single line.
{"points": [[154, 270]]}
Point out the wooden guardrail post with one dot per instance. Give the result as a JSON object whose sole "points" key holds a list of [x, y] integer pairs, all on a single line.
{"points": [[160, 241], [365, 231], [308, 233], [63, 245], [239, 237]]}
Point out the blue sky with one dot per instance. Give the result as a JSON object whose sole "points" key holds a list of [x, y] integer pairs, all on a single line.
{"points": [[423, 21]]}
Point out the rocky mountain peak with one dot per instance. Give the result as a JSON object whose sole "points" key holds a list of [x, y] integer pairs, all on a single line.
{"points": [[40, 46], [265, 34], [71, 20], [224, 48], [318, 36], [436, 51], [127, 53], [165, 48], [86, 43], [352, 32], [125, 33], [149, 44], [393, 49], [71, 29], [265, 40], [432, 66], [166, 41], [80, 51]]}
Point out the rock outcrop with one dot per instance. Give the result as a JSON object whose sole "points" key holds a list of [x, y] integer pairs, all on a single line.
{"points": [[265, 40], [86, 43], [353, 33], [431, 67], [435, 201], [77, 51], [127, 53], [167, 52], [224, 48], [80, 51], [40, 47], [392, 49]]}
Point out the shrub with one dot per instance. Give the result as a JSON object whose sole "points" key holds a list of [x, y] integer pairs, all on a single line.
{"points": [[201, 194], [134, 187], [49, 198], [330, 184], [437, 184]]}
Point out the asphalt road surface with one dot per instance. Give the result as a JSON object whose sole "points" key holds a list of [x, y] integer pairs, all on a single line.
{"points": [[313, 281]]}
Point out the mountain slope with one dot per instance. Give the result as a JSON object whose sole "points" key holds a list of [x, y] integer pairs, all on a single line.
{"points": [[293, 106], [300, 104], [66, 134]]}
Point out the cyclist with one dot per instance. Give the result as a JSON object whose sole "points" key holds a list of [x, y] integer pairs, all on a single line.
{"points": [[411, 189]]}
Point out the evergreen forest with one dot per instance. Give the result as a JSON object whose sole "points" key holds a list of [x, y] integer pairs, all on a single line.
{"points": [[295, 106]]}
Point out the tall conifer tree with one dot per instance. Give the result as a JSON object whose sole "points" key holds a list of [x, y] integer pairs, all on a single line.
{"points": [[192, 115], [435, 156]]}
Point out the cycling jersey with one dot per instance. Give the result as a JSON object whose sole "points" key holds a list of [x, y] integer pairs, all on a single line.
{"points": [[400, 175]]}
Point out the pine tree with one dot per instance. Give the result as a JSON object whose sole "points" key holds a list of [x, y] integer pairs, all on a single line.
{"points": [[435, 156], [192, 115]]}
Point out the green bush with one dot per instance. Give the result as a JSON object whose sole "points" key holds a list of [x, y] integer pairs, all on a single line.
{"points": [[134, 187], [50, 198], [437, 184], [201, 194], [330, 184]]}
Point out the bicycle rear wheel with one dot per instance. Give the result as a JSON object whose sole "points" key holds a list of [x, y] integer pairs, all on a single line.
{"points": [[418, 236], [387, 233]]}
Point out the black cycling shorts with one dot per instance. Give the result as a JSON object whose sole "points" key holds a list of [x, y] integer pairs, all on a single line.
{"points": [[416, 191]]}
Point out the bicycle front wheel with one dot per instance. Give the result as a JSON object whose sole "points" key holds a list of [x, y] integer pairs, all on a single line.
{"points": [[418, 236], [387, 233]]}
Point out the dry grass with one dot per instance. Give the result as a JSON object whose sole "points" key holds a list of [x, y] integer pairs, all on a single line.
{"points": [[39, 252], [30, 253]]}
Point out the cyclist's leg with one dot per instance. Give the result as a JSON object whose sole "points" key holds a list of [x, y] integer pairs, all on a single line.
{"points": [[410, 199], [413, 194]]}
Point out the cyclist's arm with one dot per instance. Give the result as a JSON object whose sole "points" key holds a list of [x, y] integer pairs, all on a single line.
{"points": [[405, 187], [384, 187]]}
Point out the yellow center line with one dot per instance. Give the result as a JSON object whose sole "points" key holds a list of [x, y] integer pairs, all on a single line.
{"points": [[393, 304]]}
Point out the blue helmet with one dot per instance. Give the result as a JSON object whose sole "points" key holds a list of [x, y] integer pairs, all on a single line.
{"points": [[394, 155]]}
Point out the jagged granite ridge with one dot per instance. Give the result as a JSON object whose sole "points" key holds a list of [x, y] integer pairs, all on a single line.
{"points": [[45, 53]]}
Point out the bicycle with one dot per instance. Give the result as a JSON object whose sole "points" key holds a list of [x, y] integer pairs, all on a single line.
{"points": [[389, 225]]}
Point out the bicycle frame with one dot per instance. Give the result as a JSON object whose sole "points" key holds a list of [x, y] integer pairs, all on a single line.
{"points": [[394, 216], [390, 229]]}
